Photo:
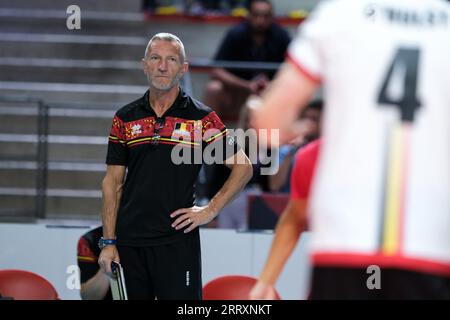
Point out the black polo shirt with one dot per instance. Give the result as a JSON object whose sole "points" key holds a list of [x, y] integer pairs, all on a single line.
{"points": [[238, 45], [155, 186]]}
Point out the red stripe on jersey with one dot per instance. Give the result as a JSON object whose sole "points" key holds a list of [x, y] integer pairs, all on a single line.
{"points": [[303, 69], [304, 170], [349, 260]]}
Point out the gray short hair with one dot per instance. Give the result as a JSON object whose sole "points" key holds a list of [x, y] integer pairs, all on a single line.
{"points": [[165, 36]]}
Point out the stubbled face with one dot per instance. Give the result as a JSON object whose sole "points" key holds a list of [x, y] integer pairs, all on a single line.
{"points": [[163, 66], [260, 16]]}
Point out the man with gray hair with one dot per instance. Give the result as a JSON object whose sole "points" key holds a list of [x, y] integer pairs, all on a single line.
{"points": [[150, 221]]}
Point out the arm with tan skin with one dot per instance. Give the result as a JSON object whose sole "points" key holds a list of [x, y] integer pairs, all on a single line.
{"points": [[96, 287], [252, 86], [291, 224], [241, 173], [277, 180], [284, 99], [112, 192]]}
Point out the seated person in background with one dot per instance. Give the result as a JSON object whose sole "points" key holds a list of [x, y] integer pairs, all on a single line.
{"points": [[310, 122], [149, 5], [234, 216], [258, 39], [94, 282]]}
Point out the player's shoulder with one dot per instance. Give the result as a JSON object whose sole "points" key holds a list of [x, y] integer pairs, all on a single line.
{"points": [[338, 5], [343, 16], [346, 4], [341, 6], [332, 15], [343, 9]]}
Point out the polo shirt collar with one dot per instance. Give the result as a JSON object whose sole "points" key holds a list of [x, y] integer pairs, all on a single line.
{"points": [[179, 103]]}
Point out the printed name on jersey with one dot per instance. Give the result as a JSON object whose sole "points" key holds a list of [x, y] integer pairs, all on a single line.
{"points": [[407, 17]]}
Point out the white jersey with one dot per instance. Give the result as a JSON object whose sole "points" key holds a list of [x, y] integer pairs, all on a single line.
{"points": [[382, 190]]}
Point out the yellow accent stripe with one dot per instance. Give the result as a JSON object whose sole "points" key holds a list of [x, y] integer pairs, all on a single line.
{"points": [[86, 259], [391, 234], [115, 138], [139, 140], [217, 135], [180, 141]]}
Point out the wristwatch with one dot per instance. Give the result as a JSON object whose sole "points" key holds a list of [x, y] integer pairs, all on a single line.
{"points": [[106, 242]]}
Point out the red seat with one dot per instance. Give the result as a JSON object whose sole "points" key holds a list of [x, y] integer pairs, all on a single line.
{"points": [[25, 285], [230, 288]]}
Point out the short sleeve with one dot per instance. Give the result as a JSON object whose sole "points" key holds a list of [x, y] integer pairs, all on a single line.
{"points": [[87, 260], [117, 148], [298, 184], [217, 137], [307, 49], [304, 170]]}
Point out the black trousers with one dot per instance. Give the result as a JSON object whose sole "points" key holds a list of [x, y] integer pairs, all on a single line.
{"points": [[164, 272], [351, 283]]}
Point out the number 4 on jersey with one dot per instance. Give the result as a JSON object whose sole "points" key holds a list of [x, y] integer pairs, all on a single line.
{"points": [[406, 60]]}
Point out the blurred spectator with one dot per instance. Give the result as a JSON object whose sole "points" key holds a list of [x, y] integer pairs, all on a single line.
{"points": [[165, 6], [234, 216], [310, 122], [257, 39], [149, 5], [196, 7], [94, 282], [219, 6]]}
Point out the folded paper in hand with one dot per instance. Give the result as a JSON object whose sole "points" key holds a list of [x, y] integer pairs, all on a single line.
{"points": [[118, 288]]}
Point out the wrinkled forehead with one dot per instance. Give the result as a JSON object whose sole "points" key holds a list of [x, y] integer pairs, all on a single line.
{"points": [[164, 46]]}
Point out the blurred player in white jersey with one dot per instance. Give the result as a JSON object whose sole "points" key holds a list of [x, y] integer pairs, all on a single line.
{"points": [[380, 204]]}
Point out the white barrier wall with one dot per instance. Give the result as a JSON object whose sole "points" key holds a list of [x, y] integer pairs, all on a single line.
{"points": [[50, 251]]}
